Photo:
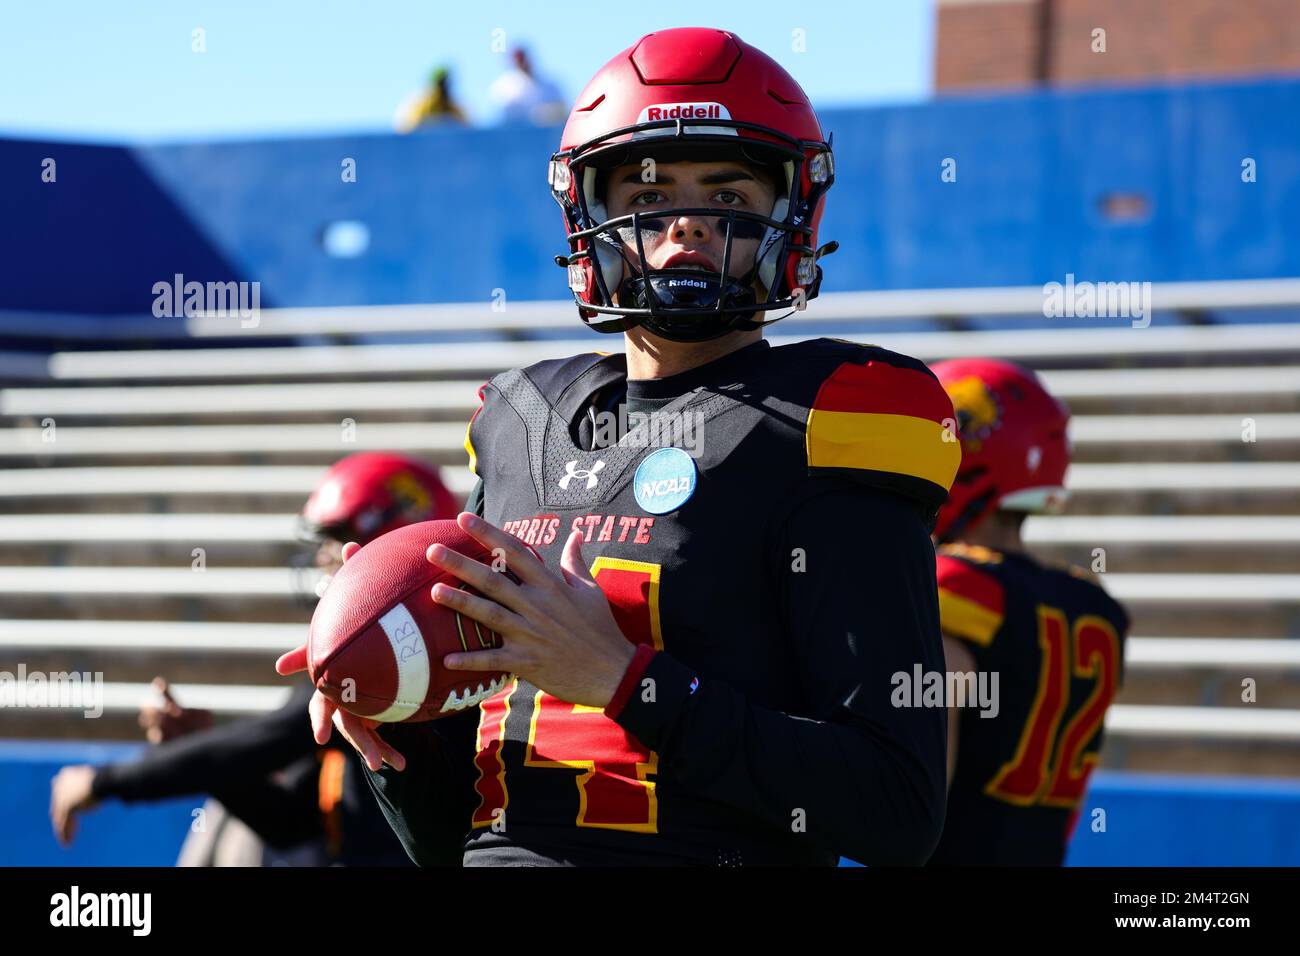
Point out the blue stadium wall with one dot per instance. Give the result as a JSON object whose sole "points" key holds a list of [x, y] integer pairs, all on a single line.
{"points": [[454, 214], [1150, 820]]}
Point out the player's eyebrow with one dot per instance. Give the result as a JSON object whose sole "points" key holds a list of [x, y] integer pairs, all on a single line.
{"points": [[712, 179]]}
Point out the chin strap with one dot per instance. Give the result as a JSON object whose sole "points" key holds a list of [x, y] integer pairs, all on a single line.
{"points": [[691, 297], [686, 302]]}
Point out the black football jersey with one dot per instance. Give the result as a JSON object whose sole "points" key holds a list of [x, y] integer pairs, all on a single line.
{"points": [[686, 525], [1055, 640]]}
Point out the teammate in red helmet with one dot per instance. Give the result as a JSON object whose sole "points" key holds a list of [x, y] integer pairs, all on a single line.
{"points": [[734, 538], [367, 495], [1021, 751], [372, 493], [268, 771]]}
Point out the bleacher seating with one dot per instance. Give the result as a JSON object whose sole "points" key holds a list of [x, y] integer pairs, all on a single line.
{"points": [[120, 461]]}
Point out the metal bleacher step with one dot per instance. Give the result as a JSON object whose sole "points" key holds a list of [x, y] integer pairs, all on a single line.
{"points": [[1184, 488], [1212, 437], [322, 442], [1191, 488], [125, 651], [1196, 604], [225, 699], [428, 399], [524, 318], [1088, 391], [1249, 605], [1227, 530], [1165, 671], [1232, 755], [119, 481], [1184, 476], [1263, 543], [1205, 530], [1168, 543], [1073, 385], [1258, 723], [173, 489], [1220, 688], [245, 637], [123, 581], [1154, 655], [221, 583], [470, 359]]}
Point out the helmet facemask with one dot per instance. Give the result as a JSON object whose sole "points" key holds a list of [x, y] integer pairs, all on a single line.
{"points": [[310, 568], [686, 304]]}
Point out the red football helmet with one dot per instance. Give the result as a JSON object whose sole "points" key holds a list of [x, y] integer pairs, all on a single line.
{"points": [[371, 493], [1014, 446], [691, 94]]}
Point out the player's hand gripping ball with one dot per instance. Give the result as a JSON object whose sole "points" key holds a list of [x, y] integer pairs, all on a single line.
{"points": [[377, 638]]}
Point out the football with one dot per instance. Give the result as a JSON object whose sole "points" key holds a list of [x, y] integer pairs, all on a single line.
{"points": [[377, 638]]}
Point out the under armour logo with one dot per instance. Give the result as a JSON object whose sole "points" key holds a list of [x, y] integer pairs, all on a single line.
{"points": [[571, 471]]}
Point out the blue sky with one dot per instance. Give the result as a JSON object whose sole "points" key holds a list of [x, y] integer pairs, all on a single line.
{"points": [[125, 71]]}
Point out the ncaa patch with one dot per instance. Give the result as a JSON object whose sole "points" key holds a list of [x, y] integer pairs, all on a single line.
{"points": [[664, 481]]}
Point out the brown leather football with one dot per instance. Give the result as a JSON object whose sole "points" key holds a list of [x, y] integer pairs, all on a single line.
{"points": [[377, 638]]}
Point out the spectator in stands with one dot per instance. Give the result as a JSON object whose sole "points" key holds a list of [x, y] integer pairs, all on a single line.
{"points": [[526, 97], [267, 771], [434, 106]]}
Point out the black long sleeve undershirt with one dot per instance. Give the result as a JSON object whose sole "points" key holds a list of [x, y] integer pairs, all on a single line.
{"points": [[282, 809], [266, 772], [232, 754]]}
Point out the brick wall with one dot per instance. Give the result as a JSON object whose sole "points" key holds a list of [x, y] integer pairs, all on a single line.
{"points": [[998, 43]]}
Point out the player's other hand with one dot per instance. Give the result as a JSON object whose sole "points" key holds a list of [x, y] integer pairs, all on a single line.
{"points": [[171, 719], [70, 794], [361, 732]]}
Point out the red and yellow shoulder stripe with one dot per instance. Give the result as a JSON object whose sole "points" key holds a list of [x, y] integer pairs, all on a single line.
{"points": [[972, 602], [878, 416]]}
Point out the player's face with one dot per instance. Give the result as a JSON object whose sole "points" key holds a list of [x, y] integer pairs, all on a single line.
{"points": [[690, 241], [329, 556]]}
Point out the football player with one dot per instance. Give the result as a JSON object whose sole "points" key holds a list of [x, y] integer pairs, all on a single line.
{"points": [[268, 770], [705, 649], [1019, 762]]}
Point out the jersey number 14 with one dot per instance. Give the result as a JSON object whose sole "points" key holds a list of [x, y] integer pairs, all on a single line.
{"points": [[616, 788]]}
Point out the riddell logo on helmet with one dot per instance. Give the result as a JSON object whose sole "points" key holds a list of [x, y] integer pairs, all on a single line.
{"points": [[670, 111]]}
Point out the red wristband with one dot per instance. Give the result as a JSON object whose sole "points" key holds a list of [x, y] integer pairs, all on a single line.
{"points": [[631, 677]]}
